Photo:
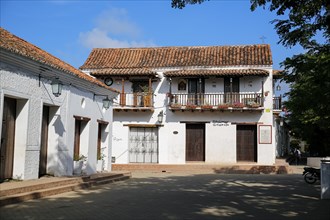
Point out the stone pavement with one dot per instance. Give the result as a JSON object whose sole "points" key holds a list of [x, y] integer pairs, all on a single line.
{"points": [[183, 196]]}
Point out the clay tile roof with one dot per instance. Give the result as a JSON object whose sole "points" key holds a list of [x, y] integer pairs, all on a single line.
{"points": [[222, 72], [158, 57], [121, 72], [16, 45], [277, 74]]}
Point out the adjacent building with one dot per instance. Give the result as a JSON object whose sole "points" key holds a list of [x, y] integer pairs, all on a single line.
{"points": [[51, 114]]}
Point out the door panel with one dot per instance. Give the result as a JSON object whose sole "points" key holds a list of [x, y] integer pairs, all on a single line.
{"points": [[196, 89], [247, 143], [7, 138], [44, 141], [143, 145], [231, 89], [195, 142]]}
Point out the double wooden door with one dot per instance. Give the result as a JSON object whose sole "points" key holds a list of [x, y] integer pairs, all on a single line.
{"points": [[7, 138], [195, 142]]}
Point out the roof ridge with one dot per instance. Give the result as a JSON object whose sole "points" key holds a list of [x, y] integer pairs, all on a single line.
{"points": [[172, 47]]}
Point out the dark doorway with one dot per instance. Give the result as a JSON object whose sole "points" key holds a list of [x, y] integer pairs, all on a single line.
{"points": [[7, 138], [246, 143], [195, 142], [77, 132], [44, 141], [231, 89]]}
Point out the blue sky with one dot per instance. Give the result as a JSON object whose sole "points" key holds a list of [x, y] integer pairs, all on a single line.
{"points": [[70, 29]]}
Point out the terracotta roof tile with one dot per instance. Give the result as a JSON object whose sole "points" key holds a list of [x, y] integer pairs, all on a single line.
{"points": [[222, 72], [158, 57], [21, 47]]}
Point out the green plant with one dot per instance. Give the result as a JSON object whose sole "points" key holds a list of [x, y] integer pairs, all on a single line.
{"points": [[80, 157], [101, 156]]}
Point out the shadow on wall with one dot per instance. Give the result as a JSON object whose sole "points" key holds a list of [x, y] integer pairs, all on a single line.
{"points": [[58, 126]]}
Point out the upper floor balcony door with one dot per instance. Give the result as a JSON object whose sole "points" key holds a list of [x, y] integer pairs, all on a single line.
{"points": [[142, 94], [196, 87], [231, 89]]}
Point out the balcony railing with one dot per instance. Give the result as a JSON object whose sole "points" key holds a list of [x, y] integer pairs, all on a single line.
{"points": [[205, 99], [135, 100]]}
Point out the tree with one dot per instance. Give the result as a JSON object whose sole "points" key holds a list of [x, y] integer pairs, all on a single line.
{"points": [[307, 73]]}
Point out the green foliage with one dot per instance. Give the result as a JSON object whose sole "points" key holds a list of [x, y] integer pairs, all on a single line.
{"points": [[305, 19], [180, 4]]}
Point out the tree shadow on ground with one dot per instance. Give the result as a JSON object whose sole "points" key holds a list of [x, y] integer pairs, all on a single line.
{"points": [[183, 196]]}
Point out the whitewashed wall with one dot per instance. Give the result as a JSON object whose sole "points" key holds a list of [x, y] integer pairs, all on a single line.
{"points": [[220, 142], [23, 86]]}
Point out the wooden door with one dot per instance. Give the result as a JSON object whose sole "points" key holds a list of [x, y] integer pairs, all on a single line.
{"points": [[99, 140], [246, 143], [196, 89], [231, 89], [44, 141], [195, 142], [77, 130], [7, 138]]}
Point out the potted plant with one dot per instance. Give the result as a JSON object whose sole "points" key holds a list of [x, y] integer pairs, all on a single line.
{"points": [[207, 106], [223, 106], [191, 106], [238, 105], [100, 162], [175, 106], [253, 105], [78, 162]]}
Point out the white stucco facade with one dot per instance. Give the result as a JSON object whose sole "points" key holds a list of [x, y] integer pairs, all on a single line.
{"points": [[220, 127], [31, 93]]}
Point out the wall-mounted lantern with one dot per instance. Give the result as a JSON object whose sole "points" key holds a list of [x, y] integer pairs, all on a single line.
{"points": [[278, 87], [57, 87], [160, 116], [106, 102]]}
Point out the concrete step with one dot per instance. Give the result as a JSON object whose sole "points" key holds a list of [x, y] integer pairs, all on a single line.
{"points": [[37, 191], [204, 168]]}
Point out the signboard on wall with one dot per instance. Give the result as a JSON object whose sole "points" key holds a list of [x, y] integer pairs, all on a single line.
{"points": [[265, 134], [220, 123]]}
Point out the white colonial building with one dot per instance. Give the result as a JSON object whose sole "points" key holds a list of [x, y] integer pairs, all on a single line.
{"points": [[44, 130], [181, 104]]}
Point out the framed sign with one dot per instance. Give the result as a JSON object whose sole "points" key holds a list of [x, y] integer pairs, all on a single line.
{"points": [[265, 134]]}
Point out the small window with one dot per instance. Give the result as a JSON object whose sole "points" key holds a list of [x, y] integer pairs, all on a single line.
{"points": [[182, 85]]}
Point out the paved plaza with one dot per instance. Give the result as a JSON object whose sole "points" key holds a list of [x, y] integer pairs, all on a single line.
{"points": [[183, 196]]}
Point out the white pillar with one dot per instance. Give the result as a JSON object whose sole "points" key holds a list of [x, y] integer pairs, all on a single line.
{"points": [[325, 178]]}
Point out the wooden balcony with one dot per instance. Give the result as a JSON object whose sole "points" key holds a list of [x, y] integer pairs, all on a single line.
{"points": [[135, 101], [219, 101]]}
